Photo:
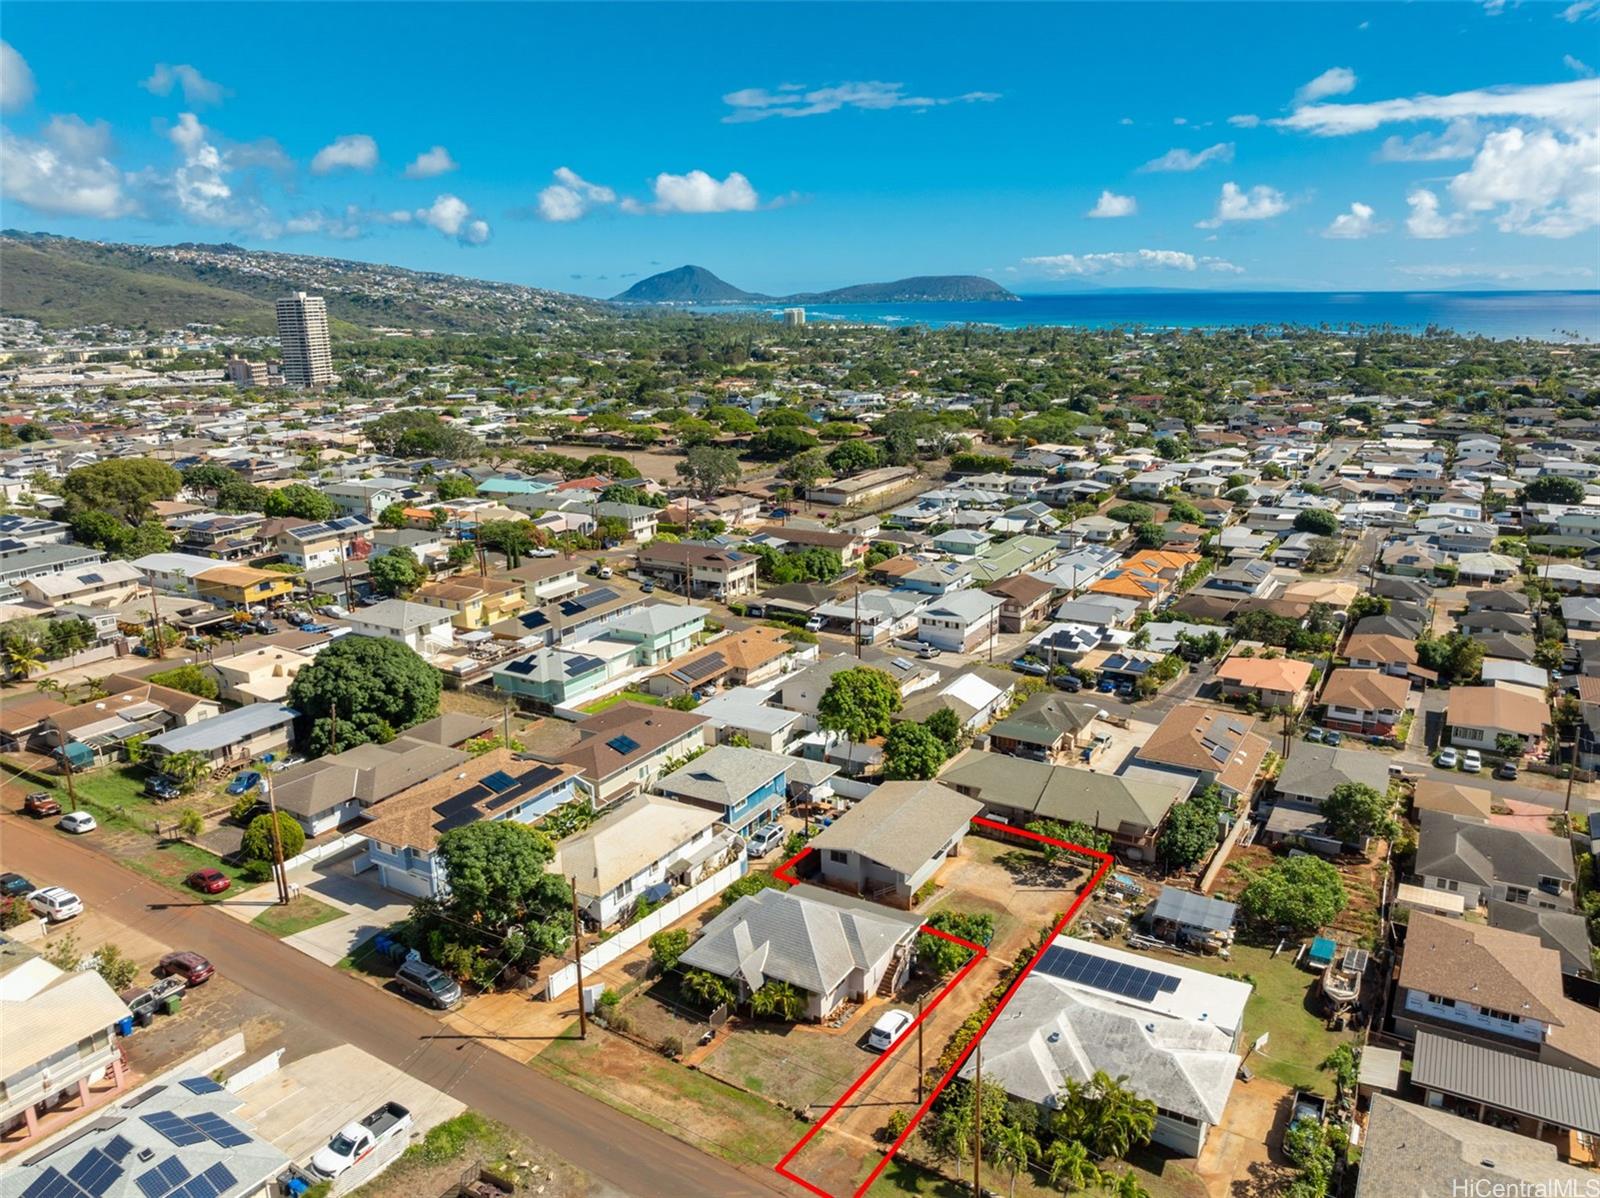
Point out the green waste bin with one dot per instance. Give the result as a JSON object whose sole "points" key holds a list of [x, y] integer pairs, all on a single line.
{"points": [[171, 1004]]}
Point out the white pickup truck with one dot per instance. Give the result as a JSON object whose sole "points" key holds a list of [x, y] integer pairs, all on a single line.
{"points": [[355, 1141]]}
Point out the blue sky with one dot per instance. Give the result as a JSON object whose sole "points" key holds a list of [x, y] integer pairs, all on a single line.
{"points": [[790, 147]]}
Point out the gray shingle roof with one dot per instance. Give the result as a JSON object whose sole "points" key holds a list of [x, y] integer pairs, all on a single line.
{"points": [[1314, 770], [1479, 853], [901, 824]]}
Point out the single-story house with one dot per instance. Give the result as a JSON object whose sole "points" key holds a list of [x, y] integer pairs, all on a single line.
{"points": [[1312, 771], [1271, 681], [829, 946], [1205, 746], [236, 735], [893, 841], [1479, 715]]}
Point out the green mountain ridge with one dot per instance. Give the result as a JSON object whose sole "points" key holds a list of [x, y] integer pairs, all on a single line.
{"points": [[697, 285]]}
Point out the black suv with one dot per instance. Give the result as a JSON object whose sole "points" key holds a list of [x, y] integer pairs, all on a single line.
{"points": [[159, 786]]}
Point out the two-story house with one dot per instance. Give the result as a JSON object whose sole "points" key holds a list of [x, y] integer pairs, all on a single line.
{"points": [[961, 622], [685, 567], [1482, 862], [1366, 701], [622, 750], [403, 831], [242, 586], [1206, 746], [420, 627], [475, 602], [325, 543], [746, 788]]}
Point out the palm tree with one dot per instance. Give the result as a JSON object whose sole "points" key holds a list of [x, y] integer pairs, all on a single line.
{"points": [[1122, 1120], [1124, 1185], [1068, 1164], [706, 988], [778, 1000], [24, 656], [1011, 1150]]}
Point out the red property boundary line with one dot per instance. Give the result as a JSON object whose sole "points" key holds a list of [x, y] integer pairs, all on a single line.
{"points": [[784, 873]]}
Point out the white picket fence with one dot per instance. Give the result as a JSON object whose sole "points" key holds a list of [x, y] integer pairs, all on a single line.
{"points": [[666, 915]]}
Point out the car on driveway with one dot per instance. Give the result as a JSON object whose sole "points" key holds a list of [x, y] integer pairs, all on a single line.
{"points": [[208, 881], [1506, 771], [15, 885], [887, 1031], [55, 903], [1070, 683], [190, 966], [159, 786], [815, 623], [763, 840], [77, 822], [432, 985], [1316, 736], [1106, 686], [1334, 738], [1447, 759], [1471, 761], [244, 783], [40, 805]]}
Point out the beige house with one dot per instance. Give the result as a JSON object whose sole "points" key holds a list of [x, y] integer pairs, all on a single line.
{"points": [[260, 676]]}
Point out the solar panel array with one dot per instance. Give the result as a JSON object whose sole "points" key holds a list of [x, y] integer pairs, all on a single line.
{"points": [[1100, 973], [457, 809], [622, 744], [499, 782], [589, 599], [172, 1179], [581, 663], [696, 670], [200, 1085], [100, 1168]]}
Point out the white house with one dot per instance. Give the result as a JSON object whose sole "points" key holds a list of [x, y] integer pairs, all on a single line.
{"points": [[418, 626], [962, 621]]}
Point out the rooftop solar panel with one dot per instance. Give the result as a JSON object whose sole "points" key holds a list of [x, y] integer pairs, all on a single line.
{"points": [[696, 670], [95, 1172], [220, 1130], [457, 809], [175, 1129], [118, 1147], [200, 1085], [499, 782], [581, 664], [51, 1184], [590, 599], [622, 744], [1099, 973]]}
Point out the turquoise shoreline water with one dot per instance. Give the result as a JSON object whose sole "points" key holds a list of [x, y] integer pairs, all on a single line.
{"points": [[1542, 315]]}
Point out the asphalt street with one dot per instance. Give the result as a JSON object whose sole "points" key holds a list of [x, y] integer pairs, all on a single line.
{"points": [[629, 1155]]}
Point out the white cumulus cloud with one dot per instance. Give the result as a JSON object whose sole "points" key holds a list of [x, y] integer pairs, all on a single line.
{"points": [[1359, 222], [1190, 160], [1063, 266], [1244, 120], [1430, 224], [1335, 81], [196, 88], [571, 196], [67, 171], [1458, 140], [16, 79], [352, 151], [452, 216], [1234, 204], [797, 100], [1535, 182], [697, 192], [1111, 204], [428, 164], [1570, 105]]}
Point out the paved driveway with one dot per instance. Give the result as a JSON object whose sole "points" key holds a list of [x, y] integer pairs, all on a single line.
{"points": [[368, 908]]}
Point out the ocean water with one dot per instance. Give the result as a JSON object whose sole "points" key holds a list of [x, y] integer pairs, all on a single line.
{"points": [[1541, 315]]}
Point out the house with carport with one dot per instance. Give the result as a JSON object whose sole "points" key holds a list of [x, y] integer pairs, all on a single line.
{"points": [[891, 843]]}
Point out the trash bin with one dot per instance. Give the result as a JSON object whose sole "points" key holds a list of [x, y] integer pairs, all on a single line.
{"points": [[146, 1017], [125, 1026], [171, 1003]]}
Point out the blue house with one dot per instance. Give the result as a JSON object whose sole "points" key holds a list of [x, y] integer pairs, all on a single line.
{"points": [[746, 787], [402, 832]]}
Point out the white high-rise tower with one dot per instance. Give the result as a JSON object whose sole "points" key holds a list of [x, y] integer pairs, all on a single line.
{"points": [[303, 334]]}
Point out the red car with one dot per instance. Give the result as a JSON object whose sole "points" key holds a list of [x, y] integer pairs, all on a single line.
{"points": [[208, 881], [191, 967]]}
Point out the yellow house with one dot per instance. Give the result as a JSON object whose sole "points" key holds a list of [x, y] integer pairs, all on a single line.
{"points": [[475, 602], [242, 586]]}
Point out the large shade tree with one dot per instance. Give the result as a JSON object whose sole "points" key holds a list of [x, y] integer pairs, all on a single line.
{"points": [[372, 687]]}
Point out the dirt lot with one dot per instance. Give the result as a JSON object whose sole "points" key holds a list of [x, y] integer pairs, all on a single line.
{"points": [[661, 465], [1358, 922]]}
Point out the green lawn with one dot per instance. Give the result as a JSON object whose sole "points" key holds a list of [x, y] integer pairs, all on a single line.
{"points": [[621, 696], [171, 861], [1299, 1040], [302, 912]]}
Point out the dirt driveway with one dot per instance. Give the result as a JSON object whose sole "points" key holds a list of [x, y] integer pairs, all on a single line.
{"points": [[1242, 1155]]}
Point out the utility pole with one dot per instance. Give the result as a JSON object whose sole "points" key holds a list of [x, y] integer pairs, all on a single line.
{"points": [[920, 1074], [333, 730], [577, 961], [977, 1120], [72, 793], [155, 621], [507, 733], [344, 569], [857, 620], [278, 872], [1572, 771]]}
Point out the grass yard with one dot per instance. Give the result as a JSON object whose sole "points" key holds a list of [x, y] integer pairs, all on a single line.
{"points": [[620, 697], [302, 912], [1283, 1003], [171, 861], [797, 1066], [1161, 1178], [682, 1102]]}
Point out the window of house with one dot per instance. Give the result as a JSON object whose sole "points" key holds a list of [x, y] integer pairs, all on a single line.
{"points": [[838, 856]]}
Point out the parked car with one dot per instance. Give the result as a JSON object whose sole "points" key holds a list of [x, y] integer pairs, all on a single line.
{"points": [[929, 652], [648, 588], [77, 822], [15, 885], [1506, 770], [1316, 736], [40, 805], [190, 966], [55, 903], [541, 553], [244, 783], [284, 763], [815, 623], [354, 1142], [887, 1031], [1105, 687], [1448, 759], [604, 572], [764, 839], [434, 986], [208, 881], [1471, 761], [159, 786], [1070, 683], [1334, 737]]}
